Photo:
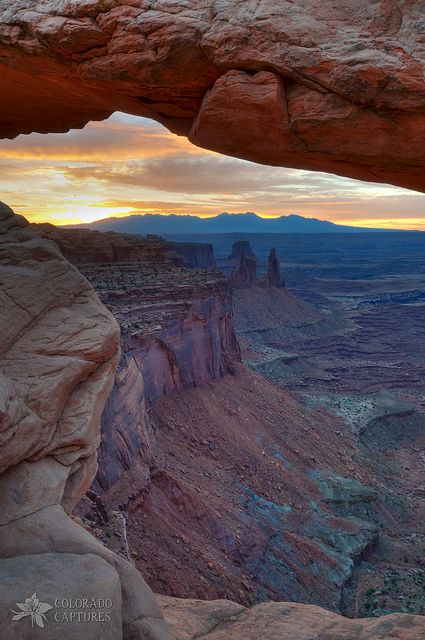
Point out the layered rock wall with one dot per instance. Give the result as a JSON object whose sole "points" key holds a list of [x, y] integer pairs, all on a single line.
{"points": [[196, 255], [81, 246], [177, 332]]}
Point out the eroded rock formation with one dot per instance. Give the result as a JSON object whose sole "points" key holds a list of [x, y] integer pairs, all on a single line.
{"points": [[305, 85], [176, 332], [241, 248], [245, 273], [243, 261], [243, 264], [84, 246], [59, 352], [196, 255], [81, 246], [273, 277]]}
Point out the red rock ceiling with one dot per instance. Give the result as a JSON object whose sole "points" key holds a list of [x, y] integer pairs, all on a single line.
{"points": [[327, 85]]}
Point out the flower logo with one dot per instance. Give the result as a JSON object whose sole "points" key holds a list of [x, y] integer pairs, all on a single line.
{"points": [[34, 608]]}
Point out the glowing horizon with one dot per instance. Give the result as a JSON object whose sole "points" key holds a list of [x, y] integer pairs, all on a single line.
{"points": [[415, 224], [132, 166]]}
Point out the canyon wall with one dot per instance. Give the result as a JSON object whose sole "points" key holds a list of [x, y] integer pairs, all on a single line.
{"points": [[196, 255], [176, 333], [81, 246], [304, 85]]}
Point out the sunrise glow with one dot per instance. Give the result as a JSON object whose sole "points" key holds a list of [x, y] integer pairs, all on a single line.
{"points": [[128, 165]]}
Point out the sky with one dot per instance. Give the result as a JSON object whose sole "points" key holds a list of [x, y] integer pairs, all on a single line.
{"points": [[129, 165]]}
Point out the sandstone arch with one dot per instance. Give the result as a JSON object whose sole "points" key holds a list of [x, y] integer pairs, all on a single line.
{"points": [[316, 84]]}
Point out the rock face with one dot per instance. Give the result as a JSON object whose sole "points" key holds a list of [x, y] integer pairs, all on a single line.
{"points": [[241, 248], [273, 277], [196, 255], [244, 263], [245, 273], [302, 85], [59, 352], [56, 579], [84, 246], [224, 620], [176, 333], [60, 348], [81, 246]]}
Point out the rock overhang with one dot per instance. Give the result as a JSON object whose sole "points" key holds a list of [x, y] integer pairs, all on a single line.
{"points": [[336, 88]]}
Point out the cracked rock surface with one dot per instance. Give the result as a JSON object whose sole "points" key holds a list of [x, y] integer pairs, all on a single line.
{"points": [[313, 84]]}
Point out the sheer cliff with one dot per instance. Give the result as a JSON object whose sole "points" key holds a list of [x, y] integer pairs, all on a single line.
{"points": [[176, 333]]}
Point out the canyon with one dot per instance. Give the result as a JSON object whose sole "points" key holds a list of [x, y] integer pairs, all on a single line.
{"points": [[180, 413], [215, 481], [302, 85], [258, 494]]}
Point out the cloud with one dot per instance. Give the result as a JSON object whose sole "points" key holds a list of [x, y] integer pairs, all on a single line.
{"points": [[118, 137], [187, 174]]}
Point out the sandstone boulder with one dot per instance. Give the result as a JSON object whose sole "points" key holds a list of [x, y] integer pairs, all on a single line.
{"points": [[59, 350], [50, 530]]}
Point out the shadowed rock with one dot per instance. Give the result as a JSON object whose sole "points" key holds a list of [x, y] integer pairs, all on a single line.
{"points": [[244, 261], [241, 248], [273, 276], [245, 273]]}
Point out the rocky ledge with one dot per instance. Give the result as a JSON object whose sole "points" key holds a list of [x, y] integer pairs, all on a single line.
{"points": [[224, 620], [83, 246]]}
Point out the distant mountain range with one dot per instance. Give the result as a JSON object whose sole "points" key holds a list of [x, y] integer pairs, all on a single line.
{"points": [[224, 223]]}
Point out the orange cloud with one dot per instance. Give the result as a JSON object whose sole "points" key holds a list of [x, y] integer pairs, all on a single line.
{"points": [[100, 141]]}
